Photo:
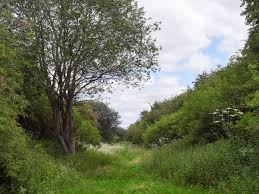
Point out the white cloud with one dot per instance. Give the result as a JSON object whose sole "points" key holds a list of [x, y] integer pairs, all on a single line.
{"points": [[188, 27], [130, 102], [199, 62]]}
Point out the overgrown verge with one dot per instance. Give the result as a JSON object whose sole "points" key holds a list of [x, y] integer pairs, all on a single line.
{"points": [[228, 165]]}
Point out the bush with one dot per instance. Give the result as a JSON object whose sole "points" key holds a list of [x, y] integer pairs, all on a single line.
{"points": [[23, 167], [248, 128], [135, 133], [245, 183], [87, 134], [86, 131], [163, 131]]}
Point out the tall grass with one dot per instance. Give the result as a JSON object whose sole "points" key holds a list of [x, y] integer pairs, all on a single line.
{"points": [[223, 165]]}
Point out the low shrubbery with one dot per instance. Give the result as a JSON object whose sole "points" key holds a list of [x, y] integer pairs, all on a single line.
{"points": [[25, 167]]}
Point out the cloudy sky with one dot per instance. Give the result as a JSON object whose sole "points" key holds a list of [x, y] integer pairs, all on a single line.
{"points": [[196, 36]]}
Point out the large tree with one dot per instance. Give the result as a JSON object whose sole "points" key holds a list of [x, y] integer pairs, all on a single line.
{"points": [[83, 46]]}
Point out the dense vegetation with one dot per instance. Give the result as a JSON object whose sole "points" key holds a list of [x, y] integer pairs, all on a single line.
{"points": [[208, 136]]}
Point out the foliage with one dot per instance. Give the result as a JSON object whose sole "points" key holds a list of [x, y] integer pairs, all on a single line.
{"points": [[231, 86], [224, 121], [163, 131], [50, 51], [148, 118], [159, 109], [38, 114], [217, 122], [135, 133], [84, 111], [220, 164], [120, 135], [107, 118], [100, 116], [248, 128], [87, 134], [252, 14], [23, 168], [85, 127]]}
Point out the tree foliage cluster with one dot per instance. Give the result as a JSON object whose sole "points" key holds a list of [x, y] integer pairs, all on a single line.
{"points": [[103, 119]]}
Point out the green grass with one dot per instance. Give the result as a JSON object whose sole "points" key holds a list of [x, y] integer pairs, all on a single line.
{"points": [[121, 172]]}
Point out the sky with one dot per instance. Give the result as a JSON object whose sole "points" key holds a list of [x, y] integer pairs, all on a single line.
{"points": [[196, 36]]}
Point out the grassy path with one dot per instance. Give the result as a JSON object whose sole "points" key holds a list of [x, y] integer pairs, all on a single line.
{"points": [[124, 175]]}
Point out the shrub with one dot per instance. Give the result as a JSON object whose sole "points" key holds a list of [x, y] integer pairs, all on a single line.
{"points": [[245, 183], [24, 166], [163, 131], [86, 131], [135, 133], [87, 134]]}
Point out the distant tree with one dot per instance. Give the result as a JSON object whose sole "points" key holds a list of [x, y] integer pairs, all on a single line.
{"points": [[82, 46], [135, 132], [121, 133], [102, 117], [108, 119]]}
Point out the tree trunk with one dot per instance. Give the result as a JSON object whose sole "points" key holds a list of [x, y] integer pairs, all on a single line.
{"points": [[64, 128]]}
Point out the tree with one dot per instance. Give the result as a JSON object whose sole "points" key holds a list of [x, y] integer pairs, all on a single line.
{"points": [[108, 119], [83, 46], [105, 119]]}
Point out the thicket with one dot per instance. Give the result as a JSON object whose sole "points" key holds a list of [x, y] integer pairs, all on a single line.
{"points": [[21, 167]]}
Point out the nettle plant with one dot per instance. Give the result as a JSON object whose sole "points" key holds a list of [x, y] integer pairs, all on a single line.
{"points": [[224, 120]]}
